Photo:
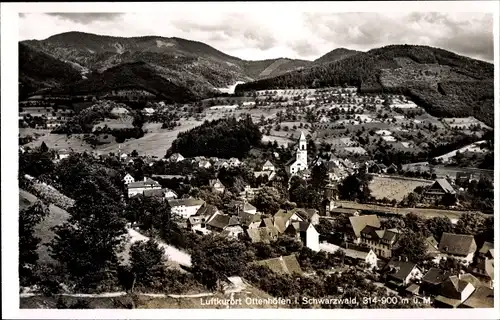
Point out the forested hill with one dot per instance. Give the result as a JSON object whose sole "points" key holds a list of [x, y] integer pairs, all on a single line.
{"points": [[444, 83], [336, 55]]}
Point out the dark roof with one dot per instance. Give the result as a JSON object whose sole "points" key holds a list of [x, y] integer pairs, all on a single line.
{"points": [[456, 244], [234, 221], [142, 184], [413, 288], [220, 221], [444, 185], [482, 297], [247, 218], [435, 276], [207, 210], [358, 223], [154, 193], [306, 213], [399, 269], [297, 226], [282, 265], [457, 283], [471, 279]]}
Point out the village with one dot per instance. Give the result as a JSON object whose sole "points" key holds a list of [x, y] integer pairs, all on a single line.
{"points": [[327, 138]]}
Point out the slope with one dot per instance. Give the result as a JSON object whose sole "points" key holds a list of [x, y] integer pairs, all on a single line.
{"points": [[38, 70], [444, 83]]}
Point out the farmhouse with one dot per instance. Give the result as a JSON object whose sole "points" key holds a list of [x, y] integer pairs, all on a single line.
{"points": [[357, 224], [438, 190], [139, 187], [185, 207], [459, 246], [306, 232], [432, 280], [365, 256], [298, 164], [482, 297]]}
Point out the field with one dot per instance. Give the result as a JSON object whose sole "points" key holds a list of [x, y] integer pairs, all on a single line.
{"points": [[464, 123], [394, 187], [56, 217], [475, 147]]}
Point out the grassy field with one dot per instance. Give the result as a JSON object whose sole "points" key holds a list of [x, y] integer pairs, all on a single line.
{"points": [[394, 187], [56, 217]]}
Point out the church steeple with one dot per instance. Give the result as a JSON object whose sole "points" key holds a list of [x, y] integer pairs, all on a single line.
{"points": [[302, 149]]}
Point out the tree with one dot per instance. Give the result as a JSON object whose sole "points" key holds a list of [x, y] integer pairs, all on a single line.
{"points": [[147, 263], [470, 223], [319, 176], [267, 200], [439, 225], [28, 242], [43, 147], [412, 245], [134, 153], [356, 187], [449, 199], [86, 245], [416, 223]]}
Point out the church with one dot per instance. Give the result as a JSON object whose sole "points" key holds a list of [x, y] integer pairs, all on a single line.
{"points": [[298, 164]]}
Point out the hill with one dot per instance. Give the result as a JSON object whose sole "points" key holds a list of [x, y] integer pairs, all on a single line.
{"points": [[444, 83], [43, 230], [336, 55], [38, 70], [185, 63]]}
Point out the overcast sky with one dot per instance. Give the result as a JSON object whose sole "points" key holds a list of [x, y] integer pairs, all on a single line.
{"points": [[289, 32]]}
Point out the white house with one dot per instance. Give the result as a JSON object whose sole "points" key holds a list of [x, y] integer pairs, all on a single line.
{"points": [[216, 185], [204, 164], [170, 194], [139, 187], [401, 272], [128, 179], [454, 291], [185, 207], [459, 246], [63, 154], [176, 157], [283, 218], [268, 166], [300, 162], [306, 232]]}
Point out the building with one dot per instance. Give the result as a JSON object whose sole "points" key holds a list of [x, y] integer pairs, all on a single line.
{"points": [[400, 272], [204, 164], [283, 218], [432, 280], [138, 187], [234, 162], [63, 154], [216, 185], [262, 234], [483, 267], [381, 241], [432, 246], [227, 226], [482, 297], [453, 292], [298, 164], [458, 246], [367, 257], [242, 206], [176, 157], [438, 190], [357, 224], [462, 179], [128, 179], [306, 232], [309, 215], [283, 265], [207, 211], [185, 207], [268, 166]]}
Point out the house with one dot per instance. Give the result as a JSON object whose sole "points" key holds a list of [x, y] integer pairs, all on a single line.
{"points": [[401, 272], [128, 179], [310, 215], [459, 246], [138, 187], [249, 220], [263, 234], [463, 178], [283, 218], [176, 157], [185, 207], [482, 297], [216, 185], [269, 174], [438, 190], [283, 265], [357, 224], [358, 254], [299, 163], [198, 224], [382, 241], [432, 246], [204, 164], [207, 211], [234, 162], [432, 280], [306, 232], [226, 225], [63, 154], [268, 166], [453, 292], [169, 194], [148, 111], [221, 163]]}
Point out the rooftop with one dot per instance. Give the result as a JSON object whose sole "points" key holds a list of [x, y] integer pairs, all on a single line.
{"points": [[456, 244]]}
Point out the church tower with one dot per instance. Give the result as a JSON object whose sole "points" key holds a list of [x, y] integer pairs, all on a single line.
{"points": [[302, 150]]}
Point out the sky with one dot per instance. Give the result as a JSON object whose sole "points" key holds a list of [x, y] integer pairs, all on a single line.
{"points": [[288, 32]]}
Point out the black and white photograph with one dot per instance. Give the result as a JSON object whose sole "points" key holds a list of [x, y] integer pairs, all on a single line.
{"points": [[261, 160]]}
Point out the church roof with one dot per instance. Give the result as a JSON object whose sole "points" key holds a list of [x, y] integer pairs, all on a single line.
{"points": [[302, 136]]}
